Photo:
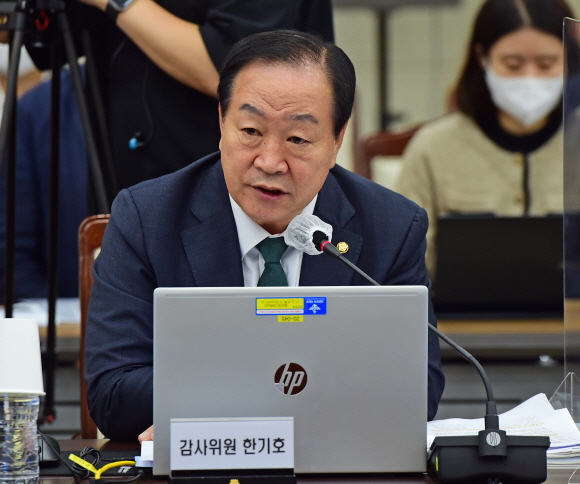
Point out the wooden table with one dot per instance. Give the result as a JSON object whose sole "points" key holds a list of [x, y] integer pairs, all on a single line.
{"points": [[507, 337], [68, 339], [554, 476]]}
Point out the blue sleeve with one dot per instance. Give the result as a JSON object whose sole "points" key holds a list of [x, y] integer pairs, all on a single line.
{"points": [[119, 334], [31, 207]]}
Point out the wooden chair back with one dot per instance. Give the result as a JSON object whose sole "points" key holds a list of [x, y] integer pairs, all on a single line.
{"points": [[383, 143], [91, 233]]}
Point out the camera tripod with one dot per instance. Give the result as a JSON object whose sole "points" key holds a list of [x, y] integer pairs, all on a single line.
{"points": [[40, 24]]}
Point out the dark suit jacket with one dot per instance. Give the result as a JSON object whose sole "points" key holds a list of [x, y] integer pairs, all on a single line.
{"points": [[179, 231]]}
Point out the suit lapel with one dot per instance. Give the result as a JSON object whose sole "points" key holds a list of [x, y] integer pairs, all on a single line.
{"points": [[212, 245], [213, 249], [333, 208]]}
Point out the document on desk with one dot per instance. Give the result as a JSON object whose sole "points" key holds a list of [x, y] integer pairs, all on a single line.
{"points": [[535, 416], [68, 310]]}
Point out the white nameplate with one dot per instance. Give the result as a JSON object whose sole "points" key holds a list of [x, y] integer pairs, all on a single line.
{"points": [[237, 443]]}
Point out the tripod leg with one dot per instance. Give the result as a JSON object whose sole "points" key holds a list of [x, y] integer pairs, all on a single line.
{"points": [[48, 412], [92, 154], [8, 131]]}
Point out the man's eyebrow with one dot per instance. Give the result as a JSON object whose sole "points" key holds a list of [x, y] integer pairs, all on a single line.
{"points": [[304, 117], [252, 109]]}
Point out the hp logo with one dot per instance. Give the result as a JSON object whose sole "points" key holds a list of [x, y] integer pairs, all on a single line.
{"points": [[290, 378], [493, 439]]}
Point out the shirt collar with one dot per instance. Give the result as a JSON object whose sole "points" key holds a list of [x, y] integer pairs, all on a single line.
{"points": [[250, 233]]}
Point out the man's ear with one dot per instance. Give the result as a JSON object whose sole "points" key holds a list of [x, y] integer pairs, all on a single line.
{"points": [[340, 138], [221, 125], [338, 143]]}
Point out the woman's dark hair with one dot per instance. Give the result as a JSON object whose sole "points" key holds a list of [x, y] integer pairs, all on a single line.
{"points": [[495, 19], [296, 49]]}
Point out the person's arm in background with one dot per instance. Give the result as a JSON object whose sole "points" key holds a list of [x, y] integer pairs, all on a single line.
{"points": [[174, 45], [191, 53]]}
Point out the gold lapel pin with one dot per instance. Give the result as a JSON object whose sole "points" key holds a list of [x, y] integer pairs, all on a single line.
{"points": [[342, 247]]}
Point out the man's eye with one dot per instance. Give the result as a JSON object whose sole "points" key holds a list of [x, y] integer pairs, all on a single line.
{"points": [[250, 131], [297, 141]]}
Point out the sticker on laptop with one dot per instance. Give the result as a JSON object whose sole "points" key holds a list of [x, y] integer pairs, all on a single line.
{"points": [[309, 306]]}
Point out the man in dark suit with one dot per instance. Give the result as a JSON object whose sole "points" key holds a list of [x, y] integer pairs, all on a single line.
{"points": [[285, 98]]}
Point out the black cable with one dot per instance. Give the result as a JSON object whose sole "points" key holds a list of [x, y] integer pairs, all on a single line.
{"points": [[116, 53], [468, 357], [87, 452], [331, 250], [79, 473], [76, 476], [146, 105], [144, 101]]}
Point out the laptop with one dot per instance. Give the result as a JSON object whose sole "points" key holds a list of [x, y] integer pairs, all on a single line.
{"points": [[363, 350], [499, 265]]}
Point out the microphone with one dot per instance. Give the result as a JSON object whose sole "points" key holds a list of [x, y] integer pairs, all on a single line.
{"points": [[456, 458], [303, 230]]}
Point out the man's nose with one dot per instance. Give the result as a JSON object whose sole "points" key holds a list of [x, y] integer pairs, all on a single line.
{"points": [[271, 157]]}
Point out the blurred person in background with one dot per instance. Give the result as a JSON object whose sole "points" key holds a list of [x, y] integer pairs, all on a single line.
{"points": [[158, 64], [501, 152], [32, 193]]}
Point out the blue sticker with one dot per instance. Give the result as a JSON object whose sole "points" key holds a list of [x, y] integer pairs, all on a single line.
{"points": [[314, 305]]}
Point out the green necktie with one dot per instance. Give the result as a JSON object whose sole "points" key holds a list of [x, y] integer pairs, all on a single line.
{"points": [[272, 249]]}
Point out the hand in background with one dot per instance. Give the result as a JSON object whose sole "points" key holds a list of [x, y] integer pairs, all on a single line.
{"points": [[147, 435]]}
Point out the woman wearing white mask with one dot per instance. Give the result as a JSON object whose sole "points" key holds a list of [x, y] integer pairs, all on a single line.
{"points": [[501, 153]]}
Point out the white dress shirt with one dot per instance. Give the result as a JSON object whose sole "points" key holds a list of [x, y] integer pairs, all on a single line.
{"points": [[250, 234]]}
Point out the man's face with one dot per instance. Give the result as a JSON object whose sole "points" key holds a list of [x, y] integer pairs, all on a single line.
{"points": [[277, 141]]}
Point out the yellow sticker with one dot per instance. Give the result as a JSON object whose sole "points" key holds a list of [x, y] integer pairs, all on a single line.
{"points": [[272, 305], [291, 319], [82, 463]]}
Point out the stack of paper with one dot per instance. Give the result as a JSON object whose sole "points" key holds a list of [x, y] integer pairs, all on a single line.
{"points": [[533, 417], [146, 457]]}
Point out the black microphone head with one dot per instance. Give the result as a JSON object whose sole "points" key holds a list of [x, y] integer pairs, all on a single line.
{"points": [[301, 230], [318, 237]]}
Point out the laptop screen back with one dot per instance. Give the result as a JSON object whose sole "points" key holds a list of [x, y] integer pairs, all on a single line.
{"points": [[363, 350], [499, 264]]}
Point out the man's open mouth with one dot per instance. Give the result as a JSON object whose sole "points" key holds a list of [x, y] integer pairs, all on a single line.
{"points": [[270, 192]]}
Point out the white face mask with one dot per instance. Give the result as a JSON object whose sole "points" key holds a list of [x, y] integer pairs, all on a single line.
{"points": [[528, 99]]}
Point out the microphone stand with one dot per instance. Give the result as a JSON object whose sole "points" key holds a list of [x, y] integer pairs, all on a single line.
{"points": [[489, 457]]}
